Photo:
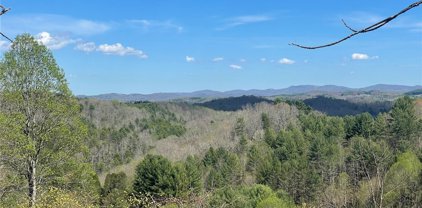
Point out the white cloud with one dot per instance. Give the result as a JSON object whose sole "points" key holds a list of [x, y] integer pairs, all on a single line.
{"points": [[119, 49], [110, 49], [242, 60], [148, 25], [4, 45], [217, 59], [234, 66], [360, 56], [263, 59], [243, 20], [286, 61], [190, 59], [53, 42], [86, 47]]}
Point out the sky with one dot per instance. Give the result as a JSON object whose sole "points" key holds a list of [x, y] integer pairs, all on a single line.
{"points": [[127, 46]]}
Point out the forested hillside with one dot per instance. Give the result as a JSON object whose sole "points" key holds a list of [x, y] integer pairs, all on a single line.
{"points": [[265, 155], [339, 107], [233, 103], [120, 132]]}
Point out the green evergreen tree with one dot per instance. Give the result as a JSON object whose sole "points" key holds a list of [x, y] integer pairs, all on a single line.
{"points": [[155, 175], [404, 123], [193, 174]]}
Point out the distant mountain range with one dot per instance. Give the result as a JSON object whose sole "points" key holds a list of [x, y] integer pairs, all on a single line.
{"points": [[299, 89]]}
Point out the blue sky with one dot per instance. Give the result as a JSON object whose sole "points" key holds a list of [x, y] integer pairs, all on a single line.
{"points": [[129, 46]]}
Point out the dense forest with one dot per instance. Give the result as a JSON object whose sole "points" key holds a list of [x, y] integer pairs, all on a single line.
{"points": [[57, 151], [339, 107]]}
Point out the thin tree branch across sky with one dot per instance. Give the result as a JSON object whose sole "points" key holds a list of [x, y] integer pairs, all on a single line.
{"points": [[3, 11], [365, 30]]}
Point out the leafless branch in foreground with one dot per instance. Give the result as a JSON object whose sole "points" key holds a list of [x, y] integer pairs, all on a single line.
{"points": [[365, 30], [3, 11]]}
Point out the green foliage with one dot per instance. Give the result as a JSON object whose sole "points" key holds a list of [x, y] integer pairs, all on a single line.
{"points": [[162, 123], [155, 175], [367, 158], [289, 167], [114, 192], [245, 197], [401, 186], [340, 107], [300, 105], [233, 103], [240, 132], [223, 167], [258, 154], [193, 171], [57, 198], [158, 177], [269, 173], [116, 198], [404, 124], [114, 181], [380, 127], [240, 127], [363, 125], [274, 202], [265, 121], [339, 193], [278, 100], [41, 130]]}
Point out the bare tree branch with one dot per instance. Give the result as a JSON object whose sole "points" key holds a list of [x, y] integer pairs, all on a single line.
{"points": [[6, 37], [348, 27], [3, 11], [365, 30]]}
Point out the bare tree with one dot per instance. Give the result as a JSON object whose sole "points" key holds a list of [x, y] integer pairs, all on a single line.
{"points": [[365, 30], [3, 11]]}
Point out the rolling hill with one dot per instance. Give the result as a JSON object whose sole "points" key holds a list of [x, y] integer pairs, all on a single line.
{"points": [[299, 89]]}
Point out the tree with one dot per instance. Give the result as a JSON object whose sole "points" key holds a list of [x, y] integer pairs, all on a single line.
{"points": [[155, 175], [40, 128], [339, 193], [247, 197], [192, 167], [274, 202], [368, 164], [404, 122], [223, 167], [401, 186]]}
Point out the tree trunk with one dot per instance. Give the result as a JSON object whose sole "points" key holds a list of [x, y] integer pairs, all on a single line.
{"points": [[32, 183]]}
